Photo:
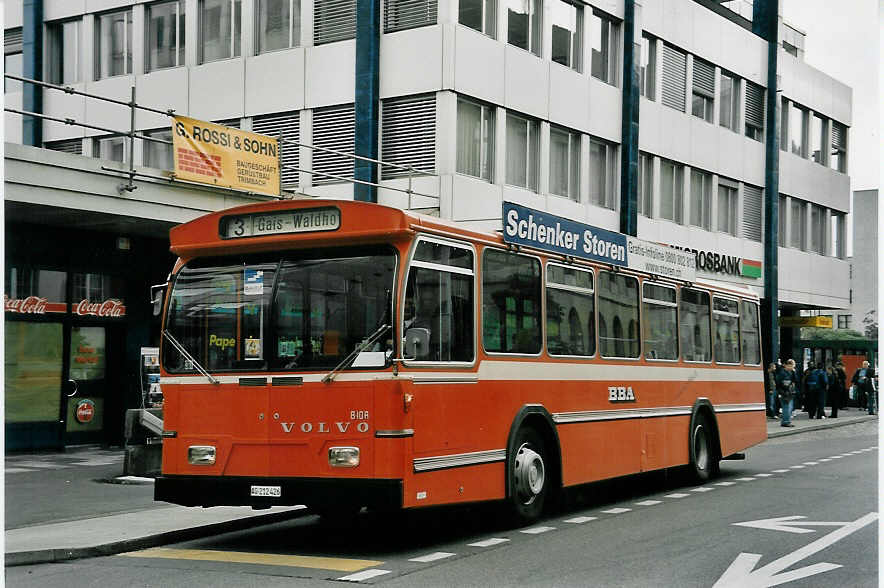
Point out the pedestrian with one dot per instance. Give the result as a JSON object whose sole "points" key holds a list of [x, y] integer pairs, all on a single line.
{"points": [[771, 385], [787, 384], [842, 385], [808, 386], [863, 379], [834, 390], [818, 383]]}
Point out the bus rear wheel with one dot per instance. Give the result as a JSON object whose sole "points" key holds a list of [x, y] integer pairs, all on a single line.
{"points": [[703, 450], [529, 477]]}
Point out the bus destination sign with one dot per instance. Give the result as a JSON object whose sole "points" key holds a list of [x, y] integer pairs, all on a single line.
{"points": [[278, 223], [542, 230]]}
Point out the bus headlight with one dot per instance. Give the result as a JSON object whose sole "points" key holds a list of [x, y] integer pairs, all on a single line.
{"points": [[201, 455], [343, 457]]}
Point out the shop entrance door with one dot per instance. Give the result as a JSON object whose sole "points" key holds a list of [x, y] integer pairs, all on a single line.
{"points": [[91, 384]]}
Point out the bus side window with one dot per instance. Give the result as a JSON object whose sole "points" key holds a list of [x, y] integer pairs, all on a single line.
{"points": [[749, 333], [618, 315], [725, 318], [661, 323], [511, 293], [694, 328], [570, 311]]}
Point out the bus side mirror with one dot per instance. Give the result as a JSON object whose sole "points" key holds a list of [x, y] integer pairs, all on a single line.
{"points": [[156, 297], [417, 342]]}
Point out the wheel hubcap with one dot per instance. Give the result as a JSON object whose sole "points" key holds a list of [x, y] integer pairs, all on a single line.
{"points": [[701, 453], [529, 474]]}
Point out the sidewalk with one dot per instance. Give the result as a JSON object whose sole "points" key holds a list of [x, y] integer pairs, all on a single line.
{"points": [[63, 506]]}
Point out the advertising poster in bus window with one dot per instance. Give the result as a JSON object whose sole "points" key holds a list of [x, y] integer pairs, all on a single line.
{"points": [[222, 156]]}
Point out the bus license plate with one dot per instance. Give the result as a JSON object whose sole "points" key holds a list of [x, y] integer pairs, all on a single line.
{"points": [[274, 491]]}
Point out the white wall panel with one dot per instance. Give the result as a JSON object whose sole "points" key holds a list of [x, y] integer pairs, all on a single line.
{"points": [[704, 144], [54, 9], [527, 83], [605, 105], [107, 115], [275, 82], [411, 61], [329, 74], [162, 89], [568, 98], [12, 132], [813, 280], [478, 65], [216, 90], [473, 199]]}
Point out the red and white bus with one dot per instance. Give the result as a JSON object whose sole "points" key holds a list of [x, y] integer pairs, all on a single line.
{"points": [[343, 354]]}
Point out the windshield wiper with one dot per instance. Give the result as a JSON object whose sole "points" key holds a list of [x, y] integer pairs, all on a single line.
{"points": [[183, 351], [355, 353]]}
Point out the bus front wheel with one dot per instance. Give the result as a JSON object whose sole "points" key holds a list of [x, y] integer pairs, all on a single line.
{"points": [[704, 453], [529, 476]]}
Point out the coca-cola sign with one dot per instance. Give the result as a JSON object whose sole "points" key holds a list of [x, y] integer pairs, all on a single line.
{"points": [[109, 308], [32, 305]]}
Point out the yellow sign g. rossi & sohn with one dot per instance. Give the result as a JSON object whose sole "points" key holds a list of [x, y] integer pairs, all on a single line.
{"points": [[221, 156], [824, 322]]}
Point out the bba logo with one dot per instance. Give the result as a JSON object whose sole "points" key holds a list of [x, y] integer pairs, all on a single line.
{"points": [[85, 411], [620, 394]]}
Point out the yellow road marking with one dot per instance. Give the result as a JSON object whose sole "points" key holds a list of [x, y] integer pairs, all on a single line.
{"points": [[267, 559]]}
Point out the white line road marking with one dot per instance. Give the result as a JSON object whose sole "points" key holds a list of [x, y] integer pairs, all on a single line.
{"points": [[826, 459], [616, 510], [702, 489], [725, 483], [432, 557], [364, 575], [648, 502], [763, 475], [780, 471], [745, 479], [39, 465], [489, 542], [676, 495], [836, 457], [537, 530], [797, 467], [17, 470], [580, 520], [811, 463], [742, 573]]}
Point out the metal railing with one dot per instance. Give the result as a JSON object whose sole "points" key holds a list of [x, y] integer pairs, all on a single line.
{"points": [[132, 134]]}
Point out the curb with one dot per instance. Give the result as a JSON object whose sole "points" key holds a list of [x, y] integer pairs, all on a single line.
{"points": [[41, 556], [821, 426]]}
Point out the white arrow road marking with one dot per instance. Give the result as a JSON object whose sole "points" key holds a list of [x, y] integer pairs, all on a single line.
{"points": [[741, 573], [788, 524]]}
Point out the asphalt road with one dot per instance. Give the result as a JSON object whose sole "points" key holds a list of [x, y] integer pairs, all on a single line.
{"points": [[742, 529]]}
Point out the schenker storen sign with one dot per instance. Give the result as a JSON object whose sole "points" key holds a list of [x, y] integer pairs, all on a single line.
{"points": [[542, 230]]}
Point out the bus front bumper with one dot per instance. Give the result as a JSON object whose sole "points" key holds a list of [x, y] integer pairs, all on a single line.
{"points": [[241, 490]]}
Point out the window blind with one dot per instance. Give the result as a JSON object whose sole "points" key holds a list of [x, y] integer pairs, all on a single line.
{"points": [[704, 77], [674, 77], [408, 134], [74, 146], [752, 201], [334, 20], [839, 135], [333, 128], [12, 40], [408, 14], [754, 105], [285, 124]]}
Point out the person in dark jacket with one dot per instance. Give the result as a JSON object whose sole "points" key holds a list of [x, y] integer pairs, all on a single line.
{"points": [[771, 386], [834, 392], [787, 384], [817, 384], [863, 379]]}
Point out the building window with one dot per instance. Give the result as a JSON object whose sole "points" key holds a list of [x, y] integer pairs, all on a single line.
{"points": [[113, 148], [798, 218], [797, 130], [837, 235], [752, 204], [703, 90], [475, 139], [817, 229], [754, 111], [645, 184], [63, 44], [159, 155], [781, 221], [13, 62], [818, 139], [602, 159], [522, 145], [220, 28], [333, 20], [567, 34], [113, 44], [604, 40], [279, 25], [165, 35], [727, 208], [523, 22], [674, 77], [790, 49], [730, 102], [400, 15], [480, 15], [784, 125], [844, 321], [73, 146], [648, 68], [671, 191], [408, 135], [838, 156], [564, 163], [333, 128], [701, 199]]}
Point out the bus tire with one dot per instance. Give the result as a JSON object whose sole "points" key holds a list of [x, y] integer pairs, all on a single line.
{"points": [[703, 449], [529, 476]]}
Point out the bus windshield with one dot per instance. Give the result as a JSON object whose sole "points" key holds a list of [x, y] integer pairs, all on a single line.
{"points": [[294, 311]]}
